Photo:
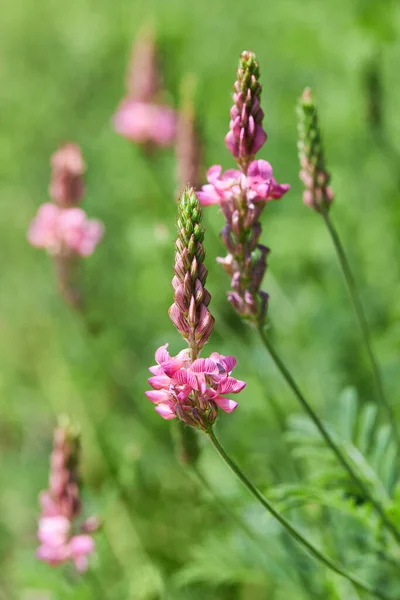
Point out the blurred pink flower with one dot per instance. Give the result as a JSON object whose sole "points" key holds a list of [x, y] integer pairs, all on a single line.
{"points": [[259, 184], [61, 505], [186, 389], [64, 230], [58, 546], [144, 122]]}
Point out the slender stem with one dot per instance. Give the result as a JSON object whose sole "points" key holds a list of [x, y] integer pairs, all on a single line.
{"points": [[362, 321], [309, 546], [340, 455]]}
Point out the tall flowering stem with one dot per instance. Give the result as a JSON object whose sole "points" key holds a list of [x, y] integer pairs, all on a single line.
{"points": [[313, 172], [60, 540], [61, 227], [319, 196], [192, 389], [243, 194], [186, 386]]}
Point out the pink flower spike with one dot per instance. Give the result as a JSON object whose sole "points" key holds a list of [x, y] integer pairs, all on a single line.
{"points": [[61, 505]]}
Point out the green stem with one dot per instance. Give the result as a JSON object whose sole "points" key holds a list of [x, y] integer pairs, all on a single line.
{"points": [[325, 434], [315, 552], [362, 321]]}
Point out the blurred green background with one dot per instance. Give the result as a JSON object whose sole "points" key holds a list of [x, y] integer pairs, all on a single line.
{"points": [[62, 69]]}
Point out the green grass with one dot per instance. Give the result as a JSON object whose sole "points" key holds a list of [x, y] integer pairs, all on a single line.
{"points": [[61, 76]]}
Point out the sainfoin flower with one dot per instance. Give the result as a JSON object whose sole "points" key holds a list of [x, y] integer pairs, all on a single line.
{"points": [[313, 172], [145, 122], [243, 193], [190, 390], [186, 386], [142, 117], [257, 186], [63, 231], [61, 506]]}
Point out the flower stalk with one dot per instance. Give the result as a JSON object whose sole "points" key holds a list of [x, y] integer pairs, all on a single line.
{"points": [[319, 196], [291, 529]]}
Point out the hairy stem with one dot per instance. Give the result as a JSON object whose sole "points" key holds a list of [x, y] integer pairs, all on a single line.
{"points": [[309, 546], [362, 321]]}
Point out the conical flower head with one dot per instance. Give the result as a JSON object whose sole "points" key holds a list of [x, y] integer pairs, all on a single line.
{"points": [[246, 135], [317, 195], [189, 312], [189, 147], [143, 78]]}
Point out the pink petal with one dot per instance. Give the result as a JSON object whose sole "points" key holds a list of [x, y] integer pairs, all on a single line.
{"points": [[230, 385], [157, 396], [53, 555], [225, 404], [81, 545], [53, 531], [171, 367], [91, 235], [159, 382], [162, 354], [204, 365], [214, 173], [260, 169], [208, 195], [184, 377], [165, 411]]}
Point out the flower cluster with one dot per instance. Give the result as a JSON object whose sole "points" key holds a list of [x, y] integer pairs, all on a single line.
{"points": [[186, 386], [258, 185], [61, 227], [61, 505], [192, 390], [64, 230], [317, 194], [242, 195], [140, 116]]}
